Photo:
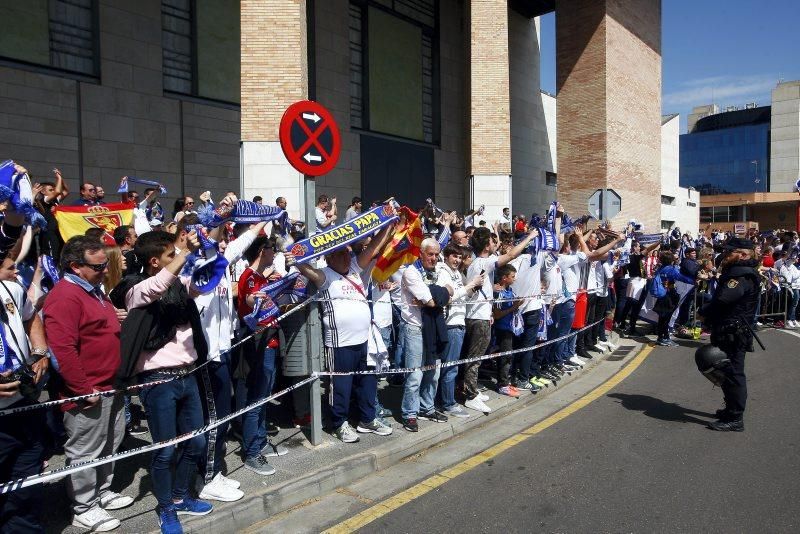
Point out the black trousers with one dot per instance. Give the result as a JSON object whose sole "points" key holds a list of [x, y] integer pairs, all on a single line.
{"points": [[734, 388], [21, 455]]}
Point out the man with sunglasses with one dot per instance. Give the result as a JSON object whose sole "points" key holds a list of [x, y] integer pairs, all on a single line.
{"points": [[88, 196], [84, 332]]}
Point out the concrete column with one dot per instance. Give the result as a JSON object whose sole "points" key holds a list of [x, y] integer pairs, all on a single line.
{"points": [[784, 165], [608, 61], [490, 108], [274, 57]]}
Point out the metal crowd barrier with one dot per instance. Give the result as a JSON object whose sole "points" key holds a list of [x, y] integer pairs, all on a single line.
{"points": [[772, 308]]}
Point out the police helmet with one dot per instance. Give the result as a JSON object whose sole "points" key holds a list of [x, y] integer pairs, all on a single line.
{"points": [[713, 363]]}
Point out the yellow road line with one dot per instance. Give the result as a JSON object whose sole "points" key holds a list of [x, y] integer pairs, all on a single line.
{"points": [[393, 503]]}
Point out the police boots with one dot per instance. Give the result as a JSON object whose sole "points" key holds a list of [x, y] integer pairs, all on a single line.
{"points": [[731, 425]]}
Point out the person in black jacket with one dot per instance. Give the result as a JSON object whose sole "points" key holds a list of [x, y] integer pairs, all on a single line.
{"points": [[729, 313]]}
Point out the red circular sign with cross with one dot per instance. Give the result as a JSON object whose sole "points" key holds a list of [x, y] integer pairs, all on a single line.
{"points": [[310, 138]]}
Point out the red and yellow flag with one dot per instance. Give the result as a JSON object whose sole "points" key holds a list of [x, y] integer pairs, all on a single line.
{"points": [[403, 248], [75, 220]]}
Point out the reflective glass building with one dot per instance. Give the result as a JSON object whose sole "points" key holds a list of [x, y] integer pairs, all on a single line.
{"points": [[727, 153]]}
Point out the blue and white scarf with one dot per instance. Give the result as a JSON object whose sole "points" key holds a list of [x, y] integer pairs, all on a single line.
{"points": [[16, 189], [264, 309], [50, 274], [207, 266], [243, 212], [123, 186]]}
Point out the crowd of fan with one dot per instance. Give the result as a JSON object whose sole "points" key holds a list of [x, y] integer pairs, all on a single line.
{"points": [[122, 313]]}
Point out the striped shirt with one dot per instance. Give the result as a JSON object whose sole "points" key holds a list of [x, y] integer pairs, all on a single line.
{"points": [[345, 312]]}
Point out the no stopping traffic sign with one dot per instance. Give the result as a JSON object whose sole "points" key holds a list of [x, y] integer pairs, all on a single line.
{"points": [[310, 138]]}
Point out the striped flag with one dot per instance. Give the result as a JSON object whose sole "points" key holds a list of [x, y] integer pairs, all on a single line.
{"points": [[75, 220], [403, 249]]}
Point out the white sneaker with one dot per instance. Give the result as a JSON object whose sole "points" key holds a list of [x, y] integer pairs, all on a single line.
{"points": [[478, 405], [217, 490], [789, 324], [96, 520], [115, 501], [610, 346], [601, 348], [483, 396], [346, 433], [229, 481], [577, 361]]}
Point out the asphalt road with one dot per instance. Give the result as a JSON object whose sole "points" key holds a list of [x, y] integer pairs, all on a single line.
{"points": [[640, 459]]}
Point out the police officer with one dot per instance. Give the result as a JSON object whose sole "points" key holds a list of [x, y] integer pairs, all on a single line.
{"points": [[730, 313]]}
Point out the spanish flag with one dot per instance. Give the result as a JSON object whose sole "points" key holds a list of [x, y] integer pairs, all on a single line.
{"points": [[403, 249], [75, 220]]}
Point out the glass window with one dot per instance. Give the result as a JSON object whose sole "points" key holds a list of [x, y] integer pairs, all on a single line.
{"points": [[394, 67], [59, 34], [734, 160], [550, 178], [201, 48]]}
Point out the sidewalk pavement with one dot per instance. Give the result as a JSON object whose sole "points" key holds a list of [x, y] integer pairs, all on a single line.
{"points": [[307, 472]]}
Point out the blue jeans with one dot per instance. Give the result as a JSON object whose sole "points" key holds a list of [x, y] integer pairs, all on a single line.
{"points": [[562, 316], [259, 382], [386, 336], [419, 392], [792, 304], [173, 408], [527, 363], [365, 387], [447, 380]]}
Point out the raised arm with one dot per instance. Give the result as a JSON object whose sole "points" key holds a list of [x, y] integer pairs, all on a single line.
{"points": [[314, 275], [518, 249], [377, 243]]}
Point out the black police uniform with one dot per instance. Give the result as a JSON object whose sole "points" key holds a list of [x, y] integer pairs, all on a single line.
{"points": [[730, 313]]}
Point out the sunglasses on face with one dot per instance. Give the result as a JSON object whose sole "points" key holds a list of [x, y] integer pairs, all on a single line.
{"points": [[190, 203], [96, 267]]}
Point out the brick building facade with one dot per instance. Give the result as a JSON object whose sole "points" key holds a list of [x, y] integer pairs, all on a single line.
{"points": [[434, 98]]}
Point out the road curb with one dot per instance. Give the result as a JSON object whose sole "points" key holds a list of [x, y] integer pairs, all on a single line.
{"points": [[272, 500]]}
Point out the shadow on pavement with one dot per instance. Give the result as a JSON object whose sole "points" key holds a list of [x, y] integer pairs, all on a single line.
{"points": [[658, 409]]}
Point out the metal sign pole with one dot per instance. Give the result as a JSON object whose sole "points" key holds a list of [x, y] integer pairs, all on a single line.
{"points": [[603, 204], [313, 326]]}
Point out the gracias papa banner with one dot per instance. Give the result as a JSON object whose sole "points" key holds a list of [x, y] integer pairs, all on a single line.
{"points": [[342, 235], [75, 220]]}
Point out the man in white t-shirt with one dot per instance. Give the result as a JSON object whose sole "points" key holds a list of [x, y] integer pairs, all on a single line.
{"points": [[449, 274], [595, 309], [346, 321], [528, 285], [325, 212], [479, 310], [504, 222], [419, 391]]}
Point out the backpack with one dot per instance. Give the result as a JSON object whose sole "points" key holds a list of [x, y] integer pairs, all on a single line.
{"points": [[657, 288]]}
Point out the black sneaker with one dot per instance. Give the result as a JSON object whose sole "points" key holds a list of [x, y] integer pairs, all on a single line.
{"points": [[563, 369], [737, 425], [545, 373], [555, 370], [410, 424], [583, 353], [435, 416]]}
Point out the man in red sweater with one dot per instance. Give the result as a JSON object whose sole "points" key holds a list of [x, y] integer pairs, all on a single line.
{"points": [[84, 328]]}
